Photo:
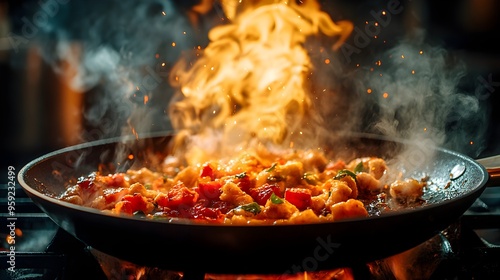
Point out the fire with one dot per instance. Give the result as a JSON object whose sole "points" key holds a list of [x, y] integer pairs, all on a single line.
{"points": [[251, 81]]}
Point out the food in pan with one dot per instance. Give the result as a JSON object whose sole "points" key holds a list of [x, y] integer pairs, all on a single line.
{"points": [[292, 187]]}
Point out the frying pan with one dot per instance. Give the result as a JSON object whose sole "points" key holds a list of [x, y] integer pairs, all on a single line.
{"points": [[189, 246]]}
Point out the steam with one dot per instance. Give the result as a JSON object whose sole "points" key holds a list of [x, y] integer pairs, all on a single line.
{"points": [[119, 54], [421, 91]]}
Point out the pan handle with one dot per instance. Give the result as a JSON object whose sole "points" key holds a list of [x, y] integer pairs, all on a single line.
{"points": [[492, 165]]}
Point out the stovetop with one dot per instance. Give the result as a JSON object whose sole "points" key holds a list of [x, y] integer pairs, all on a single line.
{"points": [[33, 247]]}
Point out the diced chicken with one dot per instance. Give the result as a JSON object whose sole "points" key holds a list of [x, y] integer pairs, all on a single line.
{"points": [[367, 183], [304, 217], [372, 165], [408, 190], [337, 191], [233, 194], [351, 208], [282, 210]]}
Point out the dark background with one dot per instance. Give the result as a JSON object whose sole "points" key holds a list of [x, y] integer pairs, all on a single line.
{"points": [[40, 113]]}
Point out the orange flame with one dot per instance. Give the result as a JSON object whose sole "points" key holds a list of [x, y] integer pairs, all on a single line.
{"points": [[251, 82]]}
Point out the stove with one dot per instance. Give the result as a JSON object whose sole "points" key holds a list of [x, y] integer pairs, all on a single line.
{"points": [[32, 246]]}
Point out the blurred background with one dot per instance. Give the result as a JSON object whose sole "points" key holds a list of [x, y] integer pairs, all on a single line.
{"points": [[78, 71]]}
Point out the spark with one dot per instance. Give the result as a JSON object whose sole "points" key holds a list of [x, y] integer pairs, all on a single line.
{"points": [[385, 95], [369, 91], [146, 99], [131, 157], [327, 61], [421, 52], [173, 44], [163, 13], [413, 72], [471, 142], [403, 56]]}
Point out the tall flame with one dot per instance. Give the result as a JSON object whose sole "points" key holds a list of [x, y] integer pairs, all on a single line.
{"points": [[251, 81]]}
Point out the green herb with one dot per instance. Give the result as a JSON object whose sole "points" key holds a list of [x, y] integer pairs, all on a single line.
{"points": [[148, 186], [311, 179], [272, 167], [276, 199], [359, 167], [241, 175], [344, 172], [253, 207]]}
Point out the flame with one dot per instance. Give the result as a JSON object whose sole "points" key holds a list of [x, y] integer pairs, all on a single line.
{"points": [[251, 81]]}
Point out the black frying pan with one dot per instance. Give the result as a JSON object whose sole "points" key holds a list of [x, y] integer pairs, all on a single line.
{"points": [[187, 246]]}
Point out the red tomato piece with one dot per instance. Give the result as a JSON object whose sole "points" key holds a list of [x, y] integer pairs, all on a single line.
{"points": [[209, 190], [178, 196], [207, 170], [263, 193], [202, 212], [116, 180], [244, 183], [133, 203], [299, 197], [86, 183]]}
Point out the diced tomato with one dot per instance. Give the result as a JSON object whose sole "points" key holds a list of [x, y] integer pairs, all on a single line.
{"points": [[222, 206], [116, 180], [86, 183], [263, 193], [178, 196], [207, 170], [244, 183], [299, 197], [202, 212], [113, 195], [133, 203], [209, 190]]}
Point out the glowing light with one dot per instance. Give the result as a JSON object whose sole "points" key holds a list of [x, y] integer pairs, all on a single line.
{"points": [[378, 63], [157, 55], [369, 91], [421, 52], [425, 128], [163, 64], [146, 99], [471, 142], [131, 157], [163, 13], [413, 72], [384, 13], [385, 95], [265, 81], [184, 32], [173, 44], [403, 56]]}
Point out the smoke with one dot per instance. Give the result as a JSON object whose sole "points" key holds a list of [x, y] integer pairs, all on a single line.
{"points": [[421, 91], [119, 54]]}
